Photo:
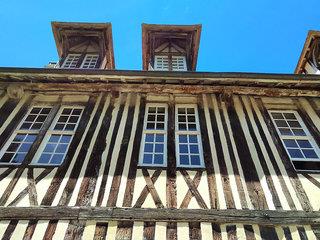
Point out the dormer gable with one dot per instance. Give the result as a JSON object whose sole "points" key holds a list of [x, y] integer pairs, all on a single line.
{"points": [[170, 47], [309, 61], [84, 45]]}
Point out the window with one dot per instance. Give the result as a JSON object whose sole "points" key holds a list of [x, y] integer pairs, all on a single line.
{"points": [[55, 145], [179, 63], [90, 61], [154, 140], [161, 63], [17, 147], [297, 140], [175, 63], [71, 61], [188, 137]]}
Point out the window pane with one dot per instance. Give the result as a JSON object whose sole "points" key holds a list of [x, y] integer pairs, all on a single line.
{"points": [[304, 143], [195, 160], [309, 153], [149, 137], [290, 143], [158, 159], [184, 159], [147, 158], [295, 153]]}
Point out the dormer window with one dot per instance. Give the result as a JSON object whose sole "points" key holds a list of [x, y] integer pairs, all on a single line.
{"points": [[90, 61], [71, 61], [173, 63], [170, 47], [84, 45]]}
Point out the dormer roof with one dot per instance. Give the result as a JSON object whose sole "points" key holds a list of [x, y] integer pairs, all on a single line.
{"points": [[306, 51], [183, 37]]}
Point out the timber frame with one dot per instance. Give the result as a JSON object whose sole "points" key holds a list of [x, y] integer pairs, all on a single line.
{"points": [[261, 217]]}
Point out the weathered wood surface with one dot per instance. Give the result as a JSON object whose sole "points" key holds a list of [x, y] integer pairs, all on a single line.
{"points": [[261, 217]]}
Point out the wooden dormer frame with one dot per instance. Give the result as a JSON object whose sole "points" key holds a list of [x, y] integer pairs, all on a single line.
{"points": [[189, 33], [312, 35], [102, 31]]}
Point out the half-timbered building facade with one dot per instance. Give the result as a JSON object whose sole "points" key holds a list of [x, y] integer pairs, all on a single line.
{"points": [[90, 152]]}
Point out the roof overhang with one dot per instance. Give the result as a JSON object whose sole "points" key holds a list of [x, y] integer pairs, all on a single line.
{"points": [[305, 51], [125, 77], [191, 33]]}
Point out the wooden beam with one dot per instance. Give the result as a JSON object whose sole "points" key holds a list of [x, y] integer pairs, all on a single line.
{"points": [[54, 88], [261, 217]]}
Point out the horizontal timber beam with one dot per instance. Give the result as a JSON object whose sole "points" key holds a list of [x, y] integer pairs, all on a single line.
{"points": [[261, 217], [169, 89]]}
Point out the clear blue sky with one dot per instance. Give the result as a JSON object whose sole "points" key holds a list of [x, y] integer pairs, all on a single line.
{"points": [[237, 36]]}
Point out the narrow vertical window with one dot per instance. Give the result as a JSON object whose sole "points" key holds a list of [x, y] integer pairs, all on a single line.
{"points": [[71, 61], [188, 137], [297, 140], [161, 63], [179, 63], [153, 151], [90, 61], [19, 144], [58, 138]]}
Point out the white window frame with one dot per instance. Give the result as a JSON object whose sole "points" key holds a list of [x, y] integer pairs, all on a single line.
{"points": [[22, 131], [184, 63], [51, 132], [153, 131], [68, 56], [156, 65], [186, 132], [308, 137], [87, 56]]}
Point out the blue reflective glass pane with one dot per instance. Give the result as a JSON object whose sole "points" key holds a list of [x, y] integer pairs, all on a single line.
{"points": [[158, 159], [62, 148], [295, 153], [290, 143], [147, 158], [50, 147], [159, 148], [56, 159], [54, 138], [30, 138], [304, 143], [44, 158], [148, 147], [183, 148], [149, 137], [183, 139], [19, 137], [18, 158], [159, 138], [65, 139], [194, 149], [184, 159], [309, 153], [193, 139], [195, 160], [25, 147]]}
